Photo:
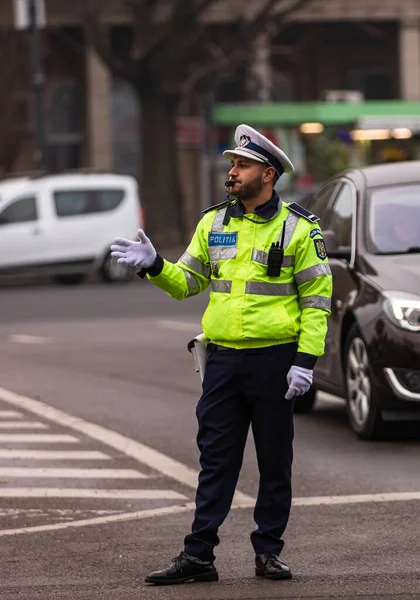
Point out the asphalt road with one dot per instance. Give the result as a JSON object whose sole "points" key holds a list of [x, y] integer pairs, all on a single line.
{"points": [[98, 464]]}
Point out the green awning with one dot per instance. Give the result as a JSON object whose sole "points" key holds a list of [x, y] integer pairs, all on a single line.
{"points": [[328, 113]]}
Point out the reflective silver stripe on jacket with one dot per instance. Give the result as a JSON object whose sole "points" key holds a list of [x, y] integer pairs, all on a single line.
{"points": [[270, 289], [217, 226], [222, 252], [261, 257], [222, 286], [291, 223], [192, 283], [312, 273], [196, 265], [315, 302]]}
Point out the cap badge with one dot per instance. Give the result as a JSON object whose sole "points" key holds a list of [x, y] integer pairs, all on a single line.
{"points": [[244, 141]]}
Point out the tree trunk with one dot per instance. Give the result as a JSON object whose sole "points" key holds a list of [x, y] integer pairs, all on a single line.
{"points": [[160, 185]]}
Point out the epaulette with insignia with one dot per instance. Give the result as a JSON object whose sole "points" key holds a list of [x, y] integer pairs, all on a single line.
{"points": [[302, 212], [215, 206]]}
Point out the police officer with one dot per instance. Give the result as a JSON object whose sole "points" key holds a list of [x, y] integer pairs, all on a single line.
{"points": [[267, 267]]}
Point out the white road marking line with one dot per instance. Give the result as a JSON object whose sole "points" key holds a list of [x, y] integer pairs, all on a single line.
{"points": [[172, 510], [10, 414], [23, 425], [159, 462], [90, 493], [143, 454], [180, 326], [357, 499], [39, 512], [133, 516], [19, 338], [66, 473], [54, 454], [38, 438]]}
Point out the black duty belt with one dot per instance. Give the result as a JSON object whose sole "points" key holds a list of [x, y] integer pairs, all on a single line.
{"points": [[217, 348]]}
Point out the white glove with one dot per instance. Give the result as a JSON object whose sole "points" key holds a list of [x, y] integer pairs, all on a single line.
{"points": [[136, 254], [299, 380]]}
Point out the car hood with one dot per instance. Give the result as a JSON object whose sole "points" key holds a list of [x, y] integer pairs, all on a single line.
{"points": [[397, 272]]}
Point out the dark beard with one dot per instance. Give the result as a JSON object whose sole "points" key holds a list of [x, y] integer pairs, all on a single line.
{"points": [[250, 190]]}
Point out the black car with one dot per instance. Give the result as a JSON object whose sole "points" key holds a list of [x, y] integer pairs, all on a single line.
{"points": [[371, 223]]}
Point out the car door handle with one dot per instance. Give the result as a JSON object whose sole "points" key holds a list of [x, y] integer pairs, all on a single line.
{"points": [[36, 231]]}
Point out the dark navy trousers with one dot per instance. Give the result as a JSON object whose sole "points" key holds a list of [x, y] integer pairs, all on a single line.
{"points": [[244, 388]]}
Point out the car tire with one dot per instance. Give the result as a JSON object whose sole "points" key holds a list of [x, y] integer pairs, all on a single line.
{"points": [[305, 404], [70, 278], [362, 406], [112, 272]]}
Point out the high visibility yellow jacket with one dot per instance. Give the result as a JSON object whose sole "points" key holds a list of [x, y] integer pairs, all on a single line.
{"points": [[247, 308]]}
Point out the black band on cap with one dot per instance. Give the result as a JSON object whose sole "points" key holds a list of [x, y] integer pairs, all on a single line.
{"points": [[272, 160]]}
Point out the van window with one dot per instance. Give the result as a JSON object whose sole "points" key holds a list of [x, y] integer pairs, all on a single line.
{"points": [[20, 211], [85, 202]]}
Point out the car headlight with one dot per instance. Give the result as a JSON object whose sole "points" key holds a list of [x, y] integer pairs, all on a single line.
{"points": [[403, 309]]}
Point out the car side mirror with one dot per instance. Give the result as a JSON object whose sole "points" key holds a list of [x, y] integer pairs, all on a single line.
{"points": [[333, 249]]}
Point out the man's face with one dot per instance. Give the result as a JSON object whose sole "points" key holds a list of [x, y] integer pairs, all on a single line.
{"points": [[248, 176]]}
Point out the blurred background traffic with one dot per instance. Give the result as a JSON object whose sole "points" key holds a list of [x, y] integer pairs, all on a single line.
{"points": [[155, 90]]}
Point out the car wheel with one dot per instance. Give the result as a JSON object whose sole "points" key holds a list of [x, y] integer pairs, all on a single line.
{"points": [[113, 272], [363, 410], [304, 404], [70, 278]]}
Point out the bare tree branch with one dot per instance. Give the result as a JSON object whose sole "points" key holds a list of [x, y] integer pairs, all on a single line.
{"points": [[184, 13], [142, 18], [232, 55], [183, 31], [98, 36], [268, 12]]}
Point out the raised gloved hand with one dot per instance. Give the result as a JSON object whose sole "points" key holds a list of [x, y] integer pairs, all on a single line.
{"points": [[136, 254], [299, 380]]}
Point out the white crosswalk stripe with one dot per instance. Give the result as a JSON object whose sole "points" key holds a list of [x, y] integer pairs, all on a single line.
{"points": [[16, 428], [69, 473], [53, 454], [90, 493], [23, 425], [10, 414], [38, 438]]}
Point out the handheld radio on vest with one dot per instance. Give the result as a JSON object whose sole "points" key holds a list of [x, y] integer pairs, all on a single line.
{"points": [[276, 255]]}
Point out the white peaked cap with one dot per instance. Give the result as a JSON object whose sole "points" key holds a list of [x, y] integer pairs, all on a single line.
{"points": [[252, 144]]}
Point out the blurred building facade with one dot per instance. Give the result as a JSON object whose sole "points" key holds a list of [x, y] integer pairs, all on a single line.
{"points": [[371, 47]]}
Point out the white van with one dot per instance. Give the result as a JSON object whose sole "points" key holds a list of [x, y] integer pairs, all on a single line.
{"points": [[62, 225]]}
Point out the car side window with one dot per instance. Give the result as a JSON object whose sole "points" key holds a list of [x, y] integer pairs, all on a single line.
{"points": [[340, 216], [319, 204], [20, 211], [85, 202]]}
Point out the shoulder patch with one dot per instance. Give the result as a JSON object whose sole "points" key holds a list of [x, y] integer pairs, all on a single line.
{"points": [[315, 232], [320, 249], [215, 207], [302, 212]]}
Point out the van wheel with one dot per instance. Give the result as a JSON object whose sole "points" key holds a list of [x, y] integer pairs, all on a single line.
{"points": [[305, 403], [112, 272], [70, 278], [362, 407]]}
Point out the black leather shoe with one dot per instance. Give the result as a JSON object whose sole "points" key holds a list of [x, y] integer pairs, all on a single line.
{"points": [[270, 566], [184, 569]]}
